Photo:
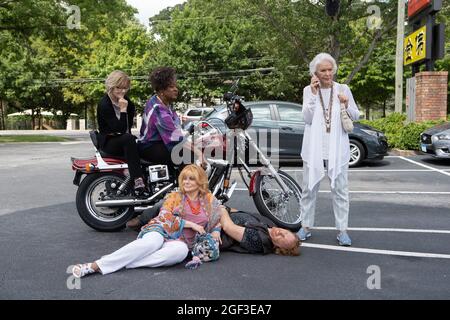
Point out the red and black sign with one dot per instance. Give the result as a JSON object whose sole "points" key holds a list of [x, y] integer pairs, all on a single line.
{"points": [[418, 9], [416, 6]]}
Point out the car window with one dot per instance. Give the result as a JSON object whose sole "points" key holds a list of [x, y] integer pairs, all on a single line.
{"points": [[214, 112], [261, 112], [289, 112], [194, 113], [206, 111]]}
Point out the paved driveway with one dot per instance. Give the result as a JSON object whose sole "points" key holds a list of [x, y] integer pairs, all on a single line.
{"points": [[399, 223]]}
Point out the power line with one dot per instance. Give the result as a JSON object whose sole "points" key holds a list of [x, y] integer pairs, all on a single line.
{"points": [[145, 77]]}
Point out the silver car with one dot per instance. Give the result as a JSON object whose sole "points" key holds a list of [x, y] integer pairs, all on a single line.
{"points": [[436, 141]]}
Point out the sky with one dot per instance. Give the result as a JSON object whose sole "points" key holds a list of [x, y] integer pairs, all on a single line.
{"points": [[149, 8]]}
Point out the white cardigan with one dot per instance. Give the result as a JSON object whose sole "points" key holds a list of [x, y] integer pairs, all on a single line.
{"points": [[339, 153]]}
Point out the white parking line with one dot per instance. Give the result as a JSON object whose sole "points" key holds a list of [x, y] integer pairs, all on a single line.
{"points": [[397, 192], [377, 251], [425, 166], [388, 230], [379, 192], [368, 170]]}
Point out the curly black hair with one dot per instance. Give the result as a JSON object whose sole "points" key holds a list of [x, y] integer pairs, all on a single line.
{"points": [[162, 77]]}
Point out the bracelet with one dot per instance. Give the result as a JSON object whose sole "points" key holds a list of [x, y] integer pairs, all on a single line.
{"points": [[216, 229]]}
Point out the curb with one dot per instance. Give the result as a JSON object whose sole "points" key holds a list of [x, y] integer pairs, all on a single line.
{"points": [[400, 152]]}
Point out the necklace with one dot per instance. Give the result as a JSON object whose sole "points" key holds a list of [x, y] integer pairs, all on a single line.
{"points": [[327, 113], [194, 209]]}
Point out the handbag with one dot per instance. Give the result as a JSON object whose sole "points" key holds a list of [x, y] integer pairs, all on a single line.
{"points": [[205, 249], [347, 123]]}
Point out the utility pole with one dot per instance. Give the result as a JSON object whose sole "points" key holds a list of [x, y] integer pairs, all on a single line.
{"points": [[399, 57]]}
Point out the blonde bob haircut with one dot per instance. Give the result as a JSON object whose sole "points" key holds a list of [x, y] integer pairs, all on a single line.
{"points": [[117, 79], [199, 175], [321, 57]]}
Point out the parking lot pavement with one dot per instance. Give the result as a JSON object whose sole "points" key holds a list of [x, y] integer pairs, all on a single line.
{"points": [[399, 224]]}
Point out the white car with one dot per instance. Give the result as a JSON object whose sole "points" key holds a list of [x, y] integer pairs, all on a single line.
{"points": [[194, 114]]}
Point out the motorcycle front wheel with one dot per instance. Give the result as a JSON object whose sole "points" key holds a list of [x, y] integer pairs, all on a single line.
{"points": [[96, 187], [270, 200]]}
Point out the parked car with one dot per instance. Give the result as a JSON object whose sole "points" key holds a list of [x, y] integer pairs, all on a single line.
{"points": [[194, 114], [287, 117], [436, 141]]}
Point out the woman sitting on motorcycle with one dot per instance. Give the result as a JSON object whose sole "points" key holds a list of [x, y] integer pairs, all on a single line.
{"points": [[161, 127], [115, 114], [166, 239]]}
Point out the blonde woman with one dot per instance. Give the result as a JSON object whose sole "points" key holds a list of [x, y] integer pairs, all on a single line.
{"points": [[166, 239], [115, 114]]}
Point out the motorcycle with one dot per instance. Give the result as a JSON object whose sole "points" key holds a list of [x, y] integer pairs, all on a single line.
{"points": [[105, 199]]}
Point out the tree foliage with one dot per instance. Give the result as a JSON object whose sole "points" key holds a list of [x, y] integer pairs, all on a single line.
{"points": [[267, 43]]}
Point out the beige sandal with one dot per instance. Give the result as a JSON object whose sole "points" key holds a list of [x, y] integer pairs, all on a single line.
{"points": [[81, 270]]}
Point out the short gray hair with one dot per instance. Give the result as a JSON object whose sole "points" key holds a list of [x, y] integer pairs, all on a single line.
{"points": [[318, 59], [117, 78]]}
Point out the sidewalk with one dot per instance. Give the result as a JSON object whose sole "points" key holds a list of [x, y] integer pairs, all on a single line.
{"points": [[59, 133]]}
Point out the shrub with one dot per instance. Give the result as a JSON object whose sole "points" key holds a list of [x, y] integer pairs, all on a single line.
{"points": [[400, 134]]}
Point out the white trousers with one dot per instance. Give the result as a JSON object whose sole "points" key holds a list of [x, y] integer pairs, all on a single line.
{"points": [[150, 251], [339, 195]]}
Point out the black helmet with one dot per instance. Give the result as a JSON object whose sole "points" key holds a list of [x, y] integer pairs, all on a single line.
{"points": [[240, 117]]}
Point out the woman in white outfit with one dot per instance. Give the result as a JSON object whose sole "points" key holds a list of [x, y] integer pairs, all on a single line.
{"points": [[166, 239], [326, 147]]}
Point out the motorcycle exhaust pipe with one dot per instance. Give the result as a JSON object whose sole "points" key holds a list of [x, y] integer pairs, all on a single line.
{"points": [[132, 202]]}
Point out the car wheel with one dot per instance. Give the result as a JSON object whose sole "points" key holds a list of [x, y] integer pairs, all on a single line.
{"points": [[357, 153]]}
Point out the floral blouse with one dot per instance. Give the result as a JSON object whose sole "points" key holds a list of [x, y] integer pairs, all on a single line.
{"points": [[170, 220]]}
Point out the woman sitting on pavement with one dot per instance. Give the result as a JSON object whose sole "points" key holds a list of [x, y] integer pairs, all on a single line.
{"points": [[166, 239], [115, 114]]}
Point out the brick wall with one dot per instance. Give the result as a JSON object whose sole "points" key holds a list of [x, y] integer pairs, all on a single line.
{"points": [[431, 95]]}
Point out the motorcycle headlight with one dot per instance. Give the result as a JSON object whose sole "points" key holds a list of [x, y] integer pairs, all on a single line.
{"points": [[445, 136], [373, 133]]}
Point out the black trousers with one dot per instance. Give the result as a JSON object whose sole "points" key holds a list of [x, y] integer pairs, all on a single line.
{"points": [[159, 154], [125, 146]]}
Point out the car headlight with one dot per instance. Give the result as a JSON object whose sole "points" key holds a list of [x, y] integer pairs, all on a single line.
{"points": [[445, 136], [373, 132]]}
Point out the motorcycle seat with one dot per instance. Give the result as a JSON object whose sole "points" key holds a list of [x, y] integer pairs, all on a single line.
{"points": [[108, 155], [147, 163]]}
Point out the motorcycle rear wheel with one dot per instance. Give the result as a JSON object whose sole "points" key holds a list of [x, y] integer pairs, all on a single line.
{"points": [[101, 218], [284, 211]]}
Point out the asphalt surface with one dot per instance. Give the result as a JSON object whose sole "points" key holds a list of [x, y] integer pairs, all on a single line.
{"points": [[402, 207]]}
